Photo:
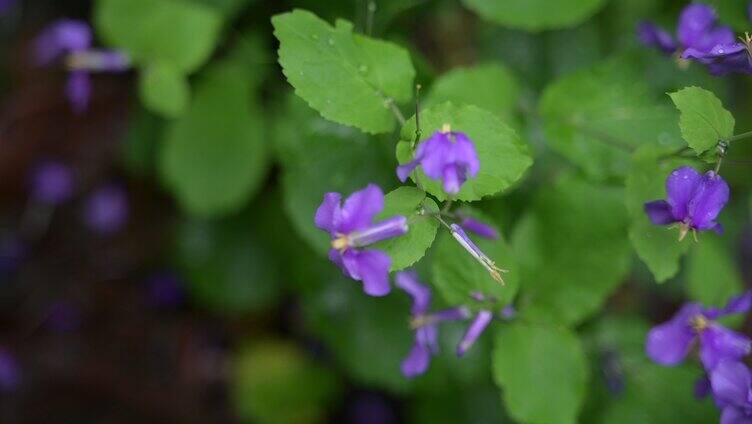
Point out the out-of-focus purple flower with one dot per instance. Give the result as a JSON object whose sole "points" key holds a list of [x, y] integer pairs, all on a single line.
{"points": [[654, 36], [732, 389], [351, 227], [6, 5], [448, 156], [424, 324], [12, 252], [164, 290], [10, 371], [70, 42], [670, 342], [476, 328], [106, 210], [478, 227], [692, 200], [63, 316], [612, 370], [370, 409], [724, 59], [702, 387], [508, 313], [52, 183], [476, 253]]}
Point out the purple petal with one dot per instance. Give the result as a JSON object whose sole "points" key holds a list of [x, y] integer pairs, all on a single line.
{"points": [[652, 35], [337, 257], [451, 314], [10, 371], [659, 212], [466, 154], [680, 187], [403, 171], [480, 228], [421, 294], [453, 178], [718, 344], [107, 209], [694, 21], [731, 383], [669, 343], [327, 211], [360, 209], [371, 267], [438, 153], [707, 201], [509, 312], [52, 183], [428, 337], [61, 37], [78, 90], [416, 362], [702, 387], [733, 415], [476, 328], [738, 304], [386, 229]]}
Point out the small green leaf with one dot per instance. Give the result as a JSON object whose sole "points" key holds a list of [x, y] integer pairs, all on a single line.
{"points": [[542, 372], [164, 90], [214, 157], [712, 275], [703, 121], [503, 156], [349, 78], [535, 15], [175, 32], [407, 249], [491, 86]]}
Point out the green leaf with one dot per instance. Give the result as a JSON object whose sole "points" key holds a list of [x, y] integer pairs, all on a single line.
{"points": [[141, 143], [164, 90], [274, 382], [175, 32], [703, 121], [214, 157], [349, 78], [456, 274], [542, 372], [317, 157], [712, 274], [535, 15], [658, 246], [490, 86], [597, 117], [573, 250], [503, 156], [409, 248]]}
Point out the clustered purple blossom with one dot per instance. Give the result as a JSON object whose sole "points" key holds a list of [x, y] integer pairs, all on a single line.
{"points": [[69, 42], [721, 352], [701, 39]]}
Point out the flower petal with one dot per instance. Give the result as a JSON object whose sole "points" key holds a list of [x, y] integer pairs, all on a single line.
{"points": [[652, 35], [438, 153], [694, 21], [659, 212], [731, 382], [416, 362], [63, 36], [421, 294], [681, 184], [360, 209], [669, 343], [476, 328], [733, 415], [465, 153], [78, 90], [735, 305], [428, 337], [453, 178], [702, 387], [718, 343], [708, 200], [383, 230], [371, 267], [327, 211], [480, 228]]}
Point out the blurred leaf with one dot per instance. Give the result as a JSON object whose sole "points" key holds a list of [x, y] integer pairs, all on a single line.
{"points": [[141, 143], [347, 77], [456, 274], [407, 249], [214, 157], [658, 246], [572, 249], [535, 15], [164, 91], [175, 32], [597, 117], [542, 372], [503, 156], [275, 383], [712, 275], [703, 120], [229, 8], [732, 12], [489, 86]]}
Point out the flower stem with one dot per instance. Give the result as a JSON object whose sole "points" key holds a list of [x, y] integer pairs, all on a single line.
{"points": [[738, 137], [395, 111], [370, 11], [417, 114]]}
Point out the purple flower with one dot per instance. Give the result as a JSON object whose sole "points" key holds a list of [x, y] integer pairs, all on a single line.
{"points": [[106, 210], [448, 156], [692, 200], [351, 228], [670, 342], [732, 390], [476, 328], [51, 183], [478, 227], [6, 5], [459, 234], [10, 371], [12, 252], [424, 324], [164, 290], [70, 42], [725, 58], [654, 36]]}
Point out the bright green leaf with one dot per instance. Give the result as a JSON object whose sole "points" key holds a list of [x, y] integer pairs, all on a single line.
{"points": [[712, 274], [349, 78], [703, 121], [535, 15], [175, 32], [503, 156], [164, 91], [214, 157], [542, 372], [407, 249]]}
